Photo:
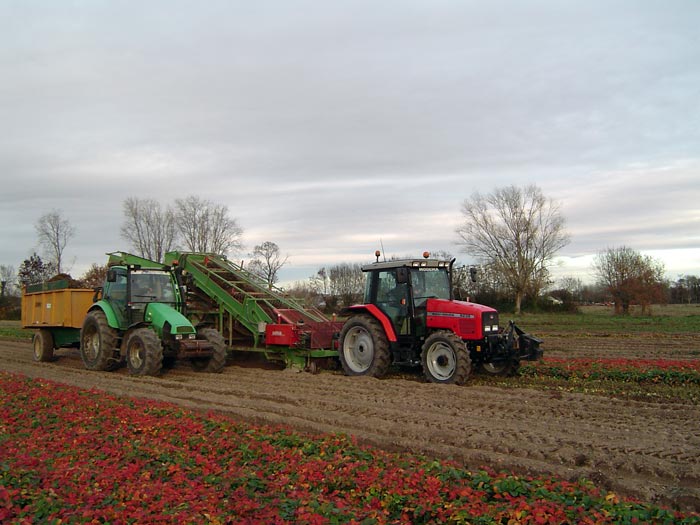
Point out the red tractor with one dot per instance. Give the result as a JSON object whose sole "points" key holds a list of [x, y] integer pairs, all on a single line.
{"points": [[409, 317]]}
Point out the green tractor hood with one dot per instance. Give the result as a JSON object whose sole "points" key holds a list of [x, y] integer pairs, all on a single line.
{"points": [[162, 315]]}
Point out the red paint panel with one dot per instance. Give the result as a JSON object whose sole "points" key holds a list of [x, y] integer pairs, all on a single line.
{"points": [[380, 316], [281, 335]]}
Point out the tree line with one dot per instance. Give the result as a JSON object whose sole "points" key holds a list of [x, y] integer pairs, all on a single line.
{"points": [[513, 234]]}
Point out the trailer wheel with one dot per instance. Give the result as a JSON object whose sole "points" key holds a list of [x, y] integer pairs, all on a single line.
{"points": [[98, 343], [144, 352], [445, 358], [504, 368], [216, 362], [42, 344], [364, 347]]}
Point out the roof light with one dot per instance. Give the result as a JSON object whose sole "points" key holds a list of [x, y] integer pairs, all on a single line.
{"points": [[426, 255]]}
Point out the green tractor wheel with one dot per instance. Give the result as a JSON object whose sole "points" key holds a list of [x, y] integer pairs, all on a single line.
{"points": [[144, 352], [98, 343], [216, 362]]}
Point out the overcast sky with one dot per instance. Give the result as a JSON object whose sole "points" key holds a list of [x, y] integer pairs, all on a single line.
{"points": [[329, 126]]}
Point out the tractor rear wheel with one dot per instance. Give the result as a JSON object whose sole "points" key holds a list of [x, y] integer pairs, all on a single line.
{"points": [[503, 368], [42, 344], [364, 347], [216, 362], [98, 343], [445, 358], [144, 352]]}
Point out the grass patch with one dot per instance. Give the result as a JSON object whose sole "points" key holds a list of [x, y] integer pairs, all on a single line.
{"points": [[14, 330], [667, 319]]}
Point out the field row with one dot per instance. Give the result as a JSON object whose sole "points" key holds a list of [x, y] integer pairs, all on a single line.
{"points": [[64, 460]]}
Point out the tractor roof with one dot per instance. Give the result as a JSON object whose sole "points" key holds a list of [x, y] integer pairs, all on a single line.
{"points": [[406, 263]]}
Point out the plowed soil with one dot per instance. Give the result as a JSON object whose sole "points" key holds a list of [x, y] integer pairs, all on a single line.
{"points": [[647, 450]]}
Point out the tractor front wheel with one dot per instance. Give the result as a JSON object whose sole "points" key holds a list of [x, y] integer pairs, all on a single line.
{"points": [[98, 343], [445, 358], [364, 347], [144, 352], [42, 344], [216, 362]]}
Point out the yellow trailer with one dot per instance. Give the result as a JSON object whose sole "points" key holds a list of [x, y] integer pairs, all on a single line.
{"points": [[57, 312]]}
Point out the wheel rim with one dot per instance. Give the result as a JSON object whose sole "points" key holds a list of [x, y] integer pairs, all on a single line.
{"points": [[136, 354], [92, 343], [358, 349], [441, 361], [37, 348]]}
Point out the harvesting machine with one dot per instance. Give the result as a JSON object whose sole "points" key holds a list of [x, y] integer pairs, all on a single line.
{"points": [[408, 317], [251, 315]]}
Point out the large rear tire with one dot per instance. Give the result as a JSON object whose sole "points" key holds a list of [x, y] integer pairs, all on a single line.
{"points": [[364, 347], [98, 343], [445, 358], [216, 362], [42, 344], [144, 352]]}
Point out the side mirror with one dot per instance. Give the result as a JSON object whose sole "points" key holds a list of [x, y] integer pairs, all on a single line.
{"points": [[472, 274], [111, 276], [402, 275]]}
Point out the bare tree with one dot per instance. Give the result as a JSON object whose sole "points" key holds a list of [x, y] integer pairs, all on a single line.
{"points": [[347, 282], [54, 232], [572, 287], [629, 276], [517, 232], [7, 279], [267, 261], [320, 282], [148, 227], [206, 227], [685, 290]]}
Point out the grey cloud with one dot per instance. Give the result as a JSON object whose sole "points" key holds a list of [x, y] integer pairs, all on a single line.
{"points": [[315, 120]]}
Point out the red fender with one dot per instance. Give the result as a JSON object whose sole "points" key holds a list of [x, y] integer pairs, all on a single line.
{"points": [[377, 314]]}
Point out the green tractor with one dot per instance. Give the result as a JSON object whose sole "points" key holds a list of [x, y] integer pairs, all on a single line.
{"points": [[137, 317]]}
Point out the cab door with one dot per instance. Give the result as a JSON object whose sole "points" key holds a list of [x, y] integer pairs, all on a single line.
{"points": [[392, 299], [115, 293]]}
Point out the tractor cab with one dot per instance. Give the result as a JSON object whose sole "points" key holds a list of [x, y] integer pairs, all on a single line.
{"points": [[401, 289], [129, 289]]}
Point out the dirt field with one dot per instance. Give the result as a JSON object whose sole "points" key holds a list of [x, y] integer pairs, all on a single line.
{"points": [[643, 449]]}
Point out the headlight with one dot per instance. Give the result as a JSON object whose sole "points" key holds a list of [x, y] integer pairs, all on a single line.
{"points": [[178, 336], [192, 336]]}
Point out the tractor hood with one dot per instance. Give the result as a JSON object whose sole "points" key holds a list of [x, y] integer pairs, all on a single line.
{"points": [[467, 320], [159, 314]]}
